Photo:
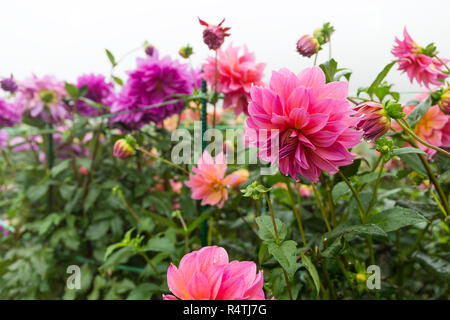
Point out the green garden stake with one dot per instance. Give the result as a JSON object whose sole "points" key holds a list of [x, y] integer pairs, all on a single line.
{"points": [[204, 226]]}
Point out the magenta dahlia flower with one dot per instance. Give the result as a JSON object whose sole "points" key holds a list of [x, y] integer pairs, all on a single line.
{"points": [[373, 120], [424, 69], [207, 274], [42, 98], [310, 120], [98, 90], [236, 73], [154, 81], [9, 114]]}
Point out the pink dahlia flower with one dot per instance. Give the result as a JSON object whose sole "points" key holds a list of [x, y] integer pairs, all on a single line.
{"points": [[153, 82], [236, 73], [42, 98], [433, 127], [310, 120], [373, 120], [98, 90], [9, 114], [206, 274], [425, 69], [209, 183]]}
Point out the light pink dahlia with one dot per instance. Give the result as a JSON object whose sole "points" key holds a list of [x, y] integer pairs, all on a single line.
{"points": [[309, 119], [417, 65], [236, 73], [206, 274], [208, 181], [42, 98]]}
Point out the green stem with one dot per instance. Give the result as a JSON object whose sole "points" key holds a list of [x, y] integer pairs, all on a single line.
{"points": [[322, 210], [402, 123], [296, 213], [377, 183], [269, 204], [355, 194], [162, 159], [150, 263], [127, 205]]}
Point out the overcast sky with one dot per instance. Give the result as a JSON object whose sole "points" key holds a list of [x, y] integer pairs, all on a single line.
{"points": [[67, 38]]}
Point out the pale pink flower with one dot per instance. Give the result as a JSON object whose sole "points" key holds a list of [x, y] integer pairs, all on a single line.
{"points": [[424, 69], [207, 274], [209, 183], [241, 176], [236, 73], [176, 185], [311, 121], [305, 190]]}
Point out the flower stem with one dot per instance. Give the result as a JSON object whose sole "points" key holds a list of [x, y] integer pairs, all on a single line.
{"points": [[162, 159], [402, 123], [377, 183], [315, 58], [322, 210], [127, 205], [269, 204], [355, 194], [150, 263], [296, 213]]}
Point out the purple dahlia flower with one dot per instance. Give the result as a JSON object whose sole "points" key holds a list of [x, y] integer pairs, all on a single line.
{"points": [[98, 90], [9, 114], [42, 98], [154, 81]]}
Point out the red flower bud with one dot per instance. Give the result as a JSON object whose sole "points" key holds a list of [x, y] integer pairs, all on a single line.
{"points": [[307, 45], [444, 102], [122, 149], [84, 171], [214, 36], [374, 121]]}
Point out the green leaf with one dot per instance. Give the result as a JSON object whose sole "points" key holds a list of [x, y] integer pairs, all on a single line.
{"points": [[72, 90], [351, 169], [118, 80], [286, 255], [91, 198], [35, 193], [266, 231], [339, 190], [111, 57], [436, 266], [414, 163], [396, 218], [143, 291], [60, 167], [312, 271], [97, 230], [417, 113], [380, 77], [350, 232], [329, 68], [160, 245], [407, 150]]}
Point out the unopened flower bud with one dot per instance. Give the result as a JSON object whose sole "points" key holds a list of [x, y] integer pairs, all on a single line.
{"points": [[124, 148], [9, 85], [307, 45], [444, 102], [214, 36], [374, 121], [186, 51], [149, 50]]}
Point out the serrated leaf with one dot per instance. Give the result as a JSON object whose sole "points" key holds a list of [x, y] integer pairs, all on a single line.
{"points": [[312, 271], [339, 190], [60, 167], [417, 113], [436, 266], [266, 231], [414, 163], [407, 150], [286, 255], [160, 245], [350, 232], [396, 218], [91, 198], [380, 77]]}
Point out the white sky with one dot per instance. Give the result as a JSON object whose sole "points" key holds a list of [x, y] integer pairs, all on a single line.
{"points": [[67, 38]]}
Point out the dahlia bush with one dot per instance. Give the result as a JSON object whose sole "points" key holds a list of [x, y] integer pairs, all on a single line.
{"points": [[228, 180]]}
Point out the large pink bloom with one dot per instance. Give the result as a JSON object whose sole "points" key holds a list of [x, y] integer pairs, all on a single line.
{"points": [[426, 70], [209, 182], [235, 76], [206, 274], [310, 120]]}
